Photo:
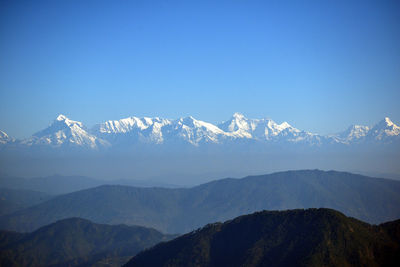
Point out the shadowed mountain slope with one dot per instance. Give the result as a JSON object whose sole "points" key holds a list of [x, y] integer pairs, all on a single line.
{"points": [[314, 237], [12, 200], [181, 210]]}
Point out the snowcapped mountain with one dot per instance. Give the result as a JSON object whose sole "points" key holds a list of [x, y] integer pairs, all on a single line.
{"points": [[5, 139], [65, 132], [125, 133], [239, 126], [266, 130], [194, 131], [147, 130], [354, 132], [159, 131], [384, 131]]}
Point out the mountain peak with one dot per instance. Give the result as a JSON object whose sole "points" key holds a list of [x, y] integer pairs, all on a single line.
{"points": [[285, 125], [188, 119], [238, 115], [385, 123], [4, 138], [61, 117], [3, 134], [388, 121], [385, 130], [65, 121], [65, 132]]}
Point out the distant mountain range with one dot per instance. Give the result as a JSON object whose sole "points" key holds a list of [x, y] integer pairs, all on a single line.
{"points": [[314, 237], [76, 242], [133, 131], [12, 200], [60, 184], [187, 151], [181, 210]]}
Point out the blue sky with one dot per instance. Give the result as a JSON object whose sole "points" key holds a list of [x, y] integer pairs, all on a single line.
{"points": [[320, 65]]}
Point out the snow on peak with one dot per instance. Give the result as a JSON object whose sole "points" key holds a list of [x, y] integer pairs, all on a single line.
{"points": [[284, 125], [238, 124], [354, 132], [133, 130], [385, 129], [146, 130], [385, 124], [388, 121], [61, 117], [65, 132], [238, 115], [261, 129], [128, 125], [3, 135], [193, 131], [187, 120], [191, 122], [4, 138], [63, 120]]}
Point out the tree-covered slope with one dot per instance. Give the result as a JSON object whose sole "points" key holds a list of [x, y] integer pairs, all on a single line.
{"points": [[182, 210], [313, 237], [74, 242]]}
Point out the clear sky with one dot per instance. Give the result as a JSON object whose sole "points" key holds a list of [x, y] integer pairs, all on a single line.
{"points": [[320, 65]]}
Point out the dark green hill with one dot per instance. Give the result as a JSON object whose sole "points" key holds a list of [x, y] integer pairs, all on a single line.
{"points": [[12, 200], [181, 210], [75, 241], [313, 237]]}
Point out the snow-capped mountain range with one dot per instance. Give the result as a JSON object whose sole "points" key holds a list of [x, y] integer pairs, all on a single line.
{"points": [[64, 132]]}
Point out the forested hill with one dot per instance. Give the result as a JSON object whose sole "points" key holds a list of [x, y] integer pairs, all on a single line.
{"points": [[313, 237], [75, 242]]}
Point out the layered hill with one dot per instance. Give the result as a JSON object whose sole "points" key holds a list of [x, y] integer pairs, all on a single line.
{"points": [[12, 200], [76, 242], [313, 237], [181, 210]]}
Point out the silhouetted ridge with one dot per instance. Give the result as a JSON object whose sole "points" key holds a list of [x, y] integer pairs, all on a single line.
{"points": [[313, 237]]}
